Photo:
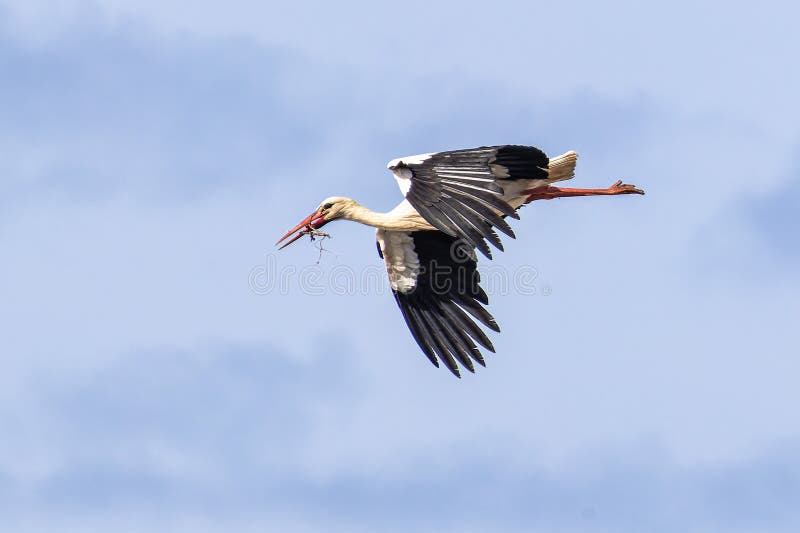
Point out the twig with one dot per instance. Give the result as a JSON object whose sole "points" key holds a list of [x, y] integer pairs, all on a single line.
{"points": [[313, 233]]}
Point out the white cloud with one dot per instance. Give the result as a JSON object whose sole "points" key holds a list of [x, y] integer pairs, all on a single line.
{"points": [[697, 58]]}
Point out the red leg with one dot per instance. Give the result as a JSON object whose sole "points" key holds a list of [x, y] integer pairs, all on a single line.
{"points": [[548, 192]]}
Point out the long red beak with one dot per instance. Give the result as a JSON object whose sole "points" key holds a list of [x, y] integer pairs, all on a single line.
{"points": [[313, 221]]}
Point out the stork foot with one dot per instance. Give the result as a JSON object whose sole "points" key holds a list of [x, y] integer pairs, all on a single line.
{"points": [[624, 188]]}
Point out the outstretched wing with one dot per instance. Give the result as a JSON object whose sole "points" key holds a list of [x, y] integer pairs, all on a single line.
{"points": [[436, 284], [461, 192]]}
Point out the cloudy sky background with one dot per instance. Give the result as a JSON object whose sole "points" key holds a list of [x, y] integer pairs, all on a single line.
{"points": [[152, 152]]}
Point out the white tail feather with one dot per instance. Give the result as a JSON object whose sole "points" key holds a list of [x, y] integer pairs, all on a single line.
{"points": [[562, 167]]}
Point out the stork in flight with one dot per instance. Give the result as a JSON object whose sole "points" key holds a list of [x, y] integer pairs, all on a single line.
{"points": [[454, 202]]}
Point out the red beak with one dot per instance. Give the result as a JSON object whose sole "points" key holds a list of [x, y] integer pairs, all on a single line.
{"points": [[312, 222]]}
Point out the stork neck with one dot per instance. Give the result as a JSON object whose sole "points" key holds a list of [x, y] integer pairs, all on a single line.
{"points": [[392, 221], [363, 215]]}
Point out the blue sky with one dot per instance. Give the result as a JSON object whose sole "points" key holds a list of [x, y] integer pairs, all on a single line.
{"points": [[151, 153]]}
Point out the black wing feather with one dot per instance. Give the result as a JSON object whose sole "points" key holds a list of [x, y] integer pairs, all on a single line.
{"points": [[414, 323], [434, 333], [475, 206]]}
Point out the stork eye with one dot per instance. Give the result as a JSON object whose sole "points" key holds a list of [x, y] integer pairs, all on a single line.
{"points": [[327, 206]]}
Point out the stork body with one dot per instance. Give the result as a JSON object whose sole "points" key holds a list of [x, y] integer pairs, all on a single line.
{"points": [[454, 202]]}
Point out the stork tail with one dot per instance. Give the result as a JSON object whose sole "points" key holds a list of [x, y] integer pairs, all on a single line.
{"points": [[562, 167]]}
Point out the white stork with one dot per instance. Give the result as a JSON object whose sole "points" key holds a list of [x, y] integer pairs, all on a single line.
{"points": [[453, 203]]}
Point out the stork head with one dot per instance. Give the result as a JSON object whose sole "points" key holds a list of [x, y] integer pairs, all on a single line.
{"points": [[329, 209]]}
